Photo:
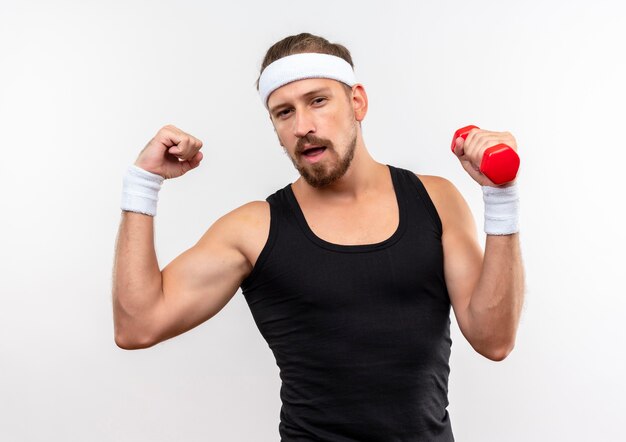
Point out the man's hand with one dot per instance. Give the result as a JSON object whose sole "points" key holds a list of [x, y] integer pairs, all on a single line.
{"points": [[171, 153], [471, 150]]}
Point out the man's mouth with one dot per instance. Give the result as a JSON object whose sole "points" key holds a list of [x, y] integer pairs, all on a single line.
{"points": [[313, 154], [313, 151]]}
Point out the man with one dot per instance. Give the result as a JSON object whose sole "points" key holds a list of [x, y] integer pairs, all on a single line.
{"points": [[349, 272]]}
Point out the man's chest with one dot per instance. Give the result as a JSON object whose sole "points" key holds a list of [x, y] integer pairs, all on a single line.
{"points": [[369, 223]]}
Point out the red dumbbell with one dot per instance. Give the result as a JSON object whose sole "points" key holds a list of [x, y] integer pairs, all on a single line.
{"points": [[500, 162]]}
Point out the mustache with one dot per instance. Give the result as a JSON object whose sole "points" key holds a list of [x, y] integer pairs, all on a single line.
{"points": [[312, 139]]}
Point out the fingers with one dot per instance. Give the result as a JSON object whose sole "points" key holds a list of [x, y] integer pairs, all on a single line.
{"points": [[470, 148], [186, 148], [192, 163], [458, 148], [465, 145], [170, 153], [169, 135], [178, 143], [195, 160], [477, 142]]}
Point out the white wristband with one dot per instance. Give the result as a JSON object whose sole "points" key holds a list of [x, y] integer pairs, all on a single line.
{"points": [[501, 210], [140, 191]]}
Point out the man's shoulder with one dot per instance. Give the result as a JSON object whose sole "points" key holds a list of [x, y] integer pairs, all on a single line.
{"points": [[448, 201], [446, 198], [247, 221], [249, 215], [437, 187], [436, 182], [244, 229]]}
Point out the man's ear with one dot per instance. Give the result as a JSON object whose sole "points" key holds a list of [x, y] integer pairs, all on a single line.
{"points": [[359, 102]]}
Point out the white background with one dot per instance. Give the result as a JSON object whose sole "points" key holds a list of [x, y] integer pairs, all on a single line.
{"points": [[84, 85]]}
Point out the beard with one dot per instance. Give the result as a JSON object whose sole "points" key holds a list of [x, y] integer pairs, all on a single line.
{"points": [[326, 171]]}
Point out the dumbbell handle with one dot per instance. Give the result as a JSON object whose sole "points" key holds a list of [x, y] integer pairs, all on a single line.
{"points": [[499, 163]]}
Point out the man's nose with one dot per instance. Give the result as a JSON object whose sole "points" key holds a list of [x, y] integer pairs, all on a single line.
{"points": [[303, 124]]}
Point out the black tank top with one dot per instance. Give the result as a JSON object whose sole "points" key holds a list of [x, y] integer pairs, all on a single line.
{"points": [[360, 333]]}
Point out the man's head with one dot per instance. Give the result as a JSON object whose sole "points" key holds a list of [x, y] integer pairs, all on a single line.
{"points": [[315, 105]]}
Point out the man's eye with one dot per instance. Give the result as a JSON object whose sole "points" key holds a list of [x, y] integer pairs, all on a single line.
{"points": [[319, 100], [283, 113]]}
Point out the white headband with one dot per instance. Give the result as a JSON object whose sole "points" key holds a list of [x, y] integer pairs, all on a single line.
{"points": [[301, 66]]}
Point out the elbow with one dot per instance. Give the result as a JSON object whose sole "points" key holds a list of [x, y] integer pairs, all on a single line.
{"points": [[493, 340], [132, 340], [496, 353], [131, 331], [132, 343], [494, 346]]}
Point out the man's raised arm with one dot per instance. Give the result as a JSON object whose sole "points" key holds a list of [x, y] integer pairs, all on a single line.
{"points": [[486, 290], [150, 305]]}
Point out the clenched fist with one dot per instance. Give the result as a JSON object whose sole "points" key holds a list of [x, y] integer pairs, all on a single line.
{"points": [[171, 153]]}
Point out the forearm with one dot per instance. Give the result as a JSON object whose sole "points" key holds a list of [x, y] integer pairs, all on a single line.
{"points": [[496, 302], [137, 282]]}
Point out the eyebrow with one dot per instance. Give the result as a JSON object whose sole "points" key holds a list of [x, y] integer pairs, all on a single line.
{"points": [[320, 91]]}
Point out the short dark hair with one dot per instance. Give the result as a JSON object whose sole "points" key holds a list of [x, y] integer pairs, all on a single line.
{"points": [[301, 44]]}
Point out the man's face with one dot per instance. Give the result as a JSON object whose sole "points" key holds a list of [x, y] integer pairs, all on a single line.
{"points": [[316, 125]]}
